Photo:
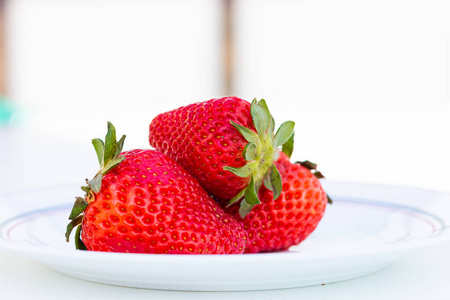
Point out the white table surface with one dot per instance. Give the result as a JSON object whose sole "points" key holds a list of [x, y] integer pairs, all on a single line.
{"points": [[27, 160]]}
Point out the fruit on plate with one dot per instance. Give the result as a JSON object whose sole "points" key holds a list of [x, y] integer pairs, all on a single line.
{"points": [[143, 201], [227, 144], [278, 224]]}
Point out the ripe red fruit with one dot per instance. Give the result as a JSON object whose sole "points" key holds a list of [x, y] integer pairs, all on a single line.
{"points": [[148, 203], [228, 144], [279, 224]]}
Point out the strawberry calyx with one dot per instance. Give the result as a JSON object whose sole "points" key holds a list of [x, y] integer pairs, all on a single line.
{"points": [[261, 151], [313, 168], [108, 154]]}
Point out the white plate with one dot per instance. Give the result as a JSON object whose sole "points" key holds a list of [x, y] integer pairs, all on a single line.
{"points": [[367, 228]]}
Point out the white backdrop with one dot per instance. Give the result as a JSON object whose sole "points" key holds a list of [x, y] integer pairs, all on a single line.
{"points": [[367, 82]]}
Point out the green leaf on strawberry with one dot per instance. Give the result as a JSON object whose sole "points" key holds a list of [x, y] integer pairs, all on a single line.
{"points": [[273, 182], [78, 208], [288, 147], [248, 134], [108, 157], [261, 117], [250, 151], [251, 199], [283, 133], [260, 153], [99, 146], [78, 242]]}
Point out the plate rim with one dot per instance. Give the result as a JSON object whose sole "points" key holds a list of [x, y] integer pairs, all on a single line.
{"points": [[441, 238]]}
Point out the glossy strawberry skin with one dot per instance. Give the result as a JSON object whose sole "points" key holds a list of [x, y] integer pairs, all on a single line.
{"points": [[150, 204], [279, 224], [201, 139]]}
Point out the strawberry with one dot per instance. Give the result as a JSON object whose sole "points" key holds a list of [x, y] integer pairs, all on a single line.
{"points": [[278, 224], [227, 144], [142, 201]]}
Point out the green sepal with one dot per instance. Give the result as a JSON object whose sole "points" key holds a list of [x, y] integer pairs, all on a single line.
{"points": [[79, 245], [276, 155], [112, 164], [283, 134], [267, 182], [261, 117], [329, 200], [250, 199], [86, 189], [288, 147], [78, 207], [119, 146], [99, 146], [250, 195], [110, 143], [276, 184], [319, 175], [248, 134], [96, 183], [245, 208], [76, 221], [237, 197], [263, 103], [271, 127], [250, 152], [244, 171], [307, 164]]}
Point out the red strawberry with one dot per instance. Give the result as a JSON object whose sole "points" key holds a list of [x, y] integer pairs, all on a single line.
{"points": [[143, 201], [278, 224], [228, 144]]}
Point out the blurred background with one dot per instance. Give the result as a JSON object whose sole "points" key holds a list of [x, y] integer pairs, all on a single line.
{"points": [[367, 82]]}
